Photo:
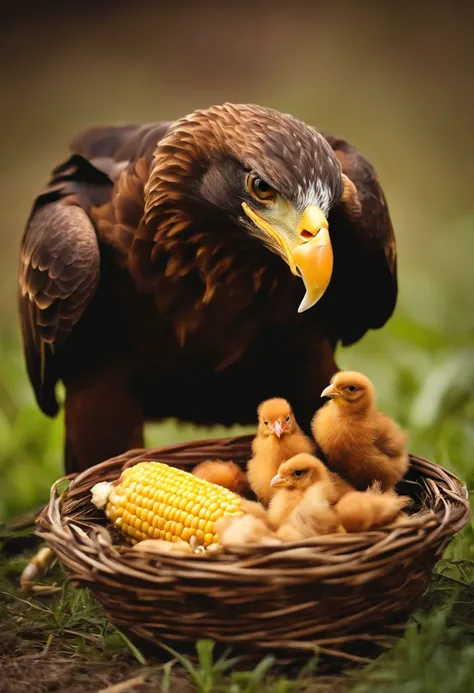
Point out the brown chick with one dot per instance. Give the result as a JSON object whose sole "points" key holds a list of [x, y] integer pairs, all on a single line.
{"points": [[359, 511], [360, 443], [248, 529], [226, 474], [301, 507], [278, 438]]}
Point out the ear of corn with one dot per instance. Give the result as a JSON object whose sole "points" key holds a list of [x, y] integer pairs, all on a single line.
{"points": [[156, 501]]}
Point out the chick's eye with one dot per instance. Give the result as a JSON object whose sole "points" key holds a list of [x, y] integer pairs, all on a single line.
{"points": [[298, 473], [352, 388], [288, 419], [260, 189], [266, 423]]}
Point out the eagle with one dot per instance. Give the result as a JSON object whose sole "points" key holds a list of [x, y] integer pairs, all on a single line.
{"points": [[192, 269]]}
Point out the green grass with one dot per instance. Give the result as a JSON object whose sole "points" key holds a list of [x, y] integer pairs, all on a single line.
{"points": [[424, 376]]}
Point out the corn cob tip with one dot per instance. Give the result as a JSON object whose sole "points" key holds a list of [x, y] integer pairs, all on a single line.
{"points": [[100, 494]]}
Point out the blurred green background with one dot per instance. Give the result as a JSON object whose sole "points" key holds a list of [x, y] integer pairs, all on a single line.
{"points": [[395, 80]]}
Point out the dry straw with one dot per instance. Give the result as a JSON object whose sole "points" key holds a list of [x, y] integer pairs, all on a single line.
{"points": [[340, 595]]}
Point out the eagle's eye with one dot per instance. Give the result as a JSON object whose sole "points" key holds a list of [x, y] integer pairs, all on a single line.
{"points": [[259, 189]]}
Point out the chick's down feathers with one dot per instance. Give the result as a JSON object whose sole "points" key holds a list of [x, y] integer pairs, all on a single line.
{"points": [[248, 529], [226, 474], [360, 443], [359, 511], [312, 516]]}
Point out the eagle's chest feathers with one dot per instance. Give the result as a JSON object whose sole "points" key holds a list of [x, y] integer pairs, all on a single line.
{"points": [[217, 313]]}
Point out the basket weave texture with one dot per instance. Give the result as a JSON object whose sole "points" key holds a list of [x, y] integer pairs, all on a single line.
{"points": [[338, 594]]}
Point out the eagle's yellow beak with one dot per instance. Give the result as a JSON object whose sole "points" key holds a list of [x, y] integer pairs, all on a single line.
{"points": [[313, 255], [307, 251]]}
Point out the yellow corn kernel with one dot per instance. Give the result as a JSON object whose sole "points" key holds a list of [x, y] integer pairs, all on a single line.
{"points": [[186, 534], [153, 499]]}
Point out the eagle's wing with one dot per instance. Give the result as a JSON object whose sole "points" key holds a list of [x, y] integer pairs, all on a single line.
{"points": [[363, 291], [122, 144], [60, 260]]}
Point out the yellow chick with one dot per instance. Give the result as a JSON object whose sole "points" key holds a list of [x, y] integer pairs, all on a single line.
{"points": [[360, 443], [278, 438], [301, 506]]}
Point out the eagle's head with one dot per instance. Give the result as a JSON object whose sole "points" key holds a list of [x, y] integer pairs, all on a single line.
{"points": [[250, 173]]}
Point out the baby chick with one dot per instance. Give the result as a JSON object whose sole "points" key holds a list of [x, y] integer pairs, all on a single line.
{"points": [[247, 529], [300, 507], [312, 516], [359, 511], [226, 474], [278, 438], [359, 442]]}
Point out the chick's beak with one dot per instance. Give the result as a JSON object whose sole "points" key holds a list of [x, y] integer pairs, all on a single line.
{"points": [[278, 429], [313, 255], [277, 481], [329, 391]]}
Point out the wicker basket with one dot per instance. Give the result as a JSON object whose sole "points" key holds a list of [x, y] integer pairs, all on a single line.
{"points": [[340, 595]]}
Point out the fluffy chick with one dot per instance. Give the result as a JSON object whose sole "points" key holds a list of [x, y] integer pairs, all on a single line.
{"points": [[359, 442], [248, 529], [278, 438], [226, 474], [359, 511], [312, 516], [301, 507]]}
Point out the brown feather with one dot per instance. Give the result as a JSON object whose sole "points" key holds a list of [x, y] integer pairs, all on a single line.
{"points": [[364, 246], [59, 274]]}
